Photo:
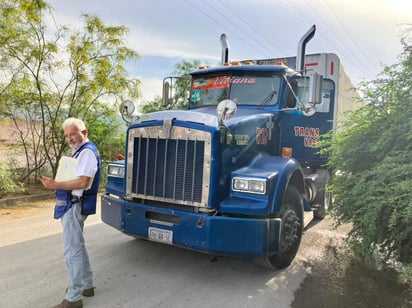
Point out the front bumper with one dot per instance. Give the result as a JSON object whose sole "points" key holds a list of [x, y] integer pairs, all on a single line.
{"points": [[223, 235]]}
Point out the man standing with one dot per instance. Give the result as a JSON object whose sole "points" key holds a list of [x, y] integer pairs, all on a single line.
{"points": [[75, 200]]}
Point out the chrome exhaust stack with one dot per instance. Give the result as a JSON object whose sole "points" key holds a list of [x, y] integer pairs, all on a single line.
{"points": [[225, 49], [300, 57]]}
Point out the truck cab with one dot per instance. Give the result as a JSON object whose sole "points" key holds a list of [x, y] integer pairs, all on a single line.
{"points": [[239, 172]]}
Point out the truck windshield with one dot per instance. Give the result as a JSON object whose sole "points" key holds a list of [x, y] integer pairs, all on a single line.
{"points": [[245, 89]]}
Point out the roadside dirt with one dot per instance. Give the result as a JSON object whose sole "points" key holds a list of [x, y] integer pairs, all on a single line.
{"points": [[12, 154], [337, 279], [10, 149], [22, 209]]}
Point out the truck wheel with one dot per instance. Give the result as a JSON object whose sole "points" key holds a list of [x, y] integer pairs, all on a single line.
{"points": [[323, 199], [291, 229]]}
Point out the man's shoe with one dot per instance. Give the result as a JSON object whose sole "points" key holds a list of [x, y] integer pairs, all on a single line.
{"points": [[88, 292], [66, 304]]}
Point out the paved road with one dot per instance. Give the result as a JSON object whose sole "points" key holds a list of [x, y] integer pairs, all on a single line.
{"points": [[137, 273], [128, 272]]}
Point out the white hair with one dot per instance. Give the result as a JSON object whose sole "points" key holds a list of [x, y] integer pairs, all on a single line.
{"points": [[79, 124]]}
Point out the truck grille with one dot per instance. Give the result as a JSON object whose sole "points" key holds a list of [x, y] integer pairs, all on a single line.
{"points": [[169, 165]]}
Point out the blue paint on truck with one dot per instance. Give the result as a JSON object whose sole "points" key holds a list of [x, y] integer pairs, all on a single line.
{"points": [[236, 173]]}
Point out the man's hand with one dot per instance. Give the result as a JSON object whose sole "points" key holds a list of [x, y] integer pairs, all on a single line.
{"points": [[81, 182], [47, 182]]}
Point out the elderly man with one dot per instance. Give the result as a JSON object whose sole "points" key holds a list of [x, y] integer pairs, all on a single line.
{"points": [[76, 199]]}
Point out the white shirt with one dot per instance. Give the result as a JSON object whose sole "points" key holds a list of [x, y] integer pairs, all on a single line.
{"points": [[86, 166]]}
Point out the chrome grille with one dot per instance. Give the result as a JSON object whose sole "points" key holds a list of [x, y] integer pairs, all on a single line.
{"points": [[169, 164]]}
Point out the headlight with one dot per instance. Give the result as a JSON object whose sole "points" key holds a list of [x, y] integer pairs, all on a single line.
{"points": [[115, 171], [249, 185]]}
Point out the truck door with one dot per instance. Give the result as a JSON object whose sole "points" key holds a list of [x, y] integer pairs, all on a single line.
{"points": [[300, 132]]}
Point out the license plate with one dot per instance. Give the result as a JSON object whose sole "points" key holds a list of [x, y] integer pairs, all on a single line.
{"points": [[161, 235]]}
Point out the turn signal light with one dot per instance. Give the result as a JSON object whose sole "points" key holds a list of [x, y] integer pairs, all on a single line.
{"points": [[287, 152]]}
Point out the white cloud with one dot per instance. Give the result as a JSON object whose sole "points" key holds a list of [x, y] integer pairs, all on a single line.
{"points": [[151, 87]]}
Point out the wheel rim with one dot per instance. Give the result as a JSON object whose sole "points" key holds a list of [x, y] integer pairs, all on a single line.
{"points": [[290, 227]]}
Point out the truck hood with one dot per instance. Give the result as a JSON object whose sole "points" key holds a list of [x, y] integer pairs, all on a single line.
{"points": [[206, 116]]}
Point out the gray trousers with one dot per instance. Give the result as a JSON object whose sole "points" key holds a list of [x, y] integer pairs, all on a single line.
{"points": [[75, 253]]}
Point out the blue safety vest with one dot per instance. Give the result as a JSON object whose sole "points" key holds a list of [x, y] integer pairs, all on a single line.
{"points": [[89, 198]]}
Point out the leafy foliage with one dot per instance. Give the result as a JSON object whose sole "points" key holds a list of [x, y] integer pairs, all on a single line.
{"points": [[152, 106], [8, 182], [372, 154], [180, 88], [182, 85], [49, 76]]}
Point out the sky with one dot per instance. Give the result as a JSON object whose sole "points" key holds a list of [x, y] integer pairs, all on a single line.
{"points": [[365, 34]]}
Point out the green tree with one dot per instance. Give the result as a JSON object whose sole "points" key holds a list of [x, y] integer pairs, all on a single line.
{"points": [[372, 154], [51, 74], [180, 84], [155, 105]]}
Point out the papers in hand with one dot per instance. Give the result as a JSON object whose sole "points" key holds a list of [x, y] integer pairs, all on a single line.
{"points": [[66, 171]]}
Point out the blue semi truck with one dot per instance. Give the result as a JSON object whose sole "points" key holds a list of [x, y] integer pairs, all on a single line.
{"points": [[238, 173]]}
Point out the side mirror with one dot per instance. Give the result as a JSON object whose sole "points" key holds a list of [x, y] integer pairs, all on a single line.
{"points": [[315, 88], [175, 90], [225, 110], [127, 108], [308, 109]]}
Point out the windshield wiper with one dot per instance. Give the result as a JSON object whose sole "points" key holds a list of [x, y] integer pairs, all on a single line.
{"points": [[268, 98]]}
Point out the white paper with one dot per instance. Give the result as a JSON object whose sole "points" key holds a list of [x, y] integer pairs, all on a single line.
{"points": [[66, 170]]}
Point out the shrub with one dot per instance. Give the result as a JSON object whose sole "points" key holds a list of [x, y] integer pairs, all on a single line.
{"points": [[8, 183], [373, 153]]}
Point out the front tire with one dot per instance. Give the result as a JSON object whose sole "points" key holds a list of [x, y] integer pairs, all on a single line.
{"points": [[291, 230]]}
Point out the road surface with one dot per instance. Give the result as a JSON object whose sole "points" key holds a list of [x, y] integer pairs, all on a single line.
{"points": [[137, 273]]}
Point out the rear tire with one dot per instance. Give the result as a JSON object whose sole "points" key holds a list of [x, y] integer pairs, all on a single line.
{"points": [[291, 229]]}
